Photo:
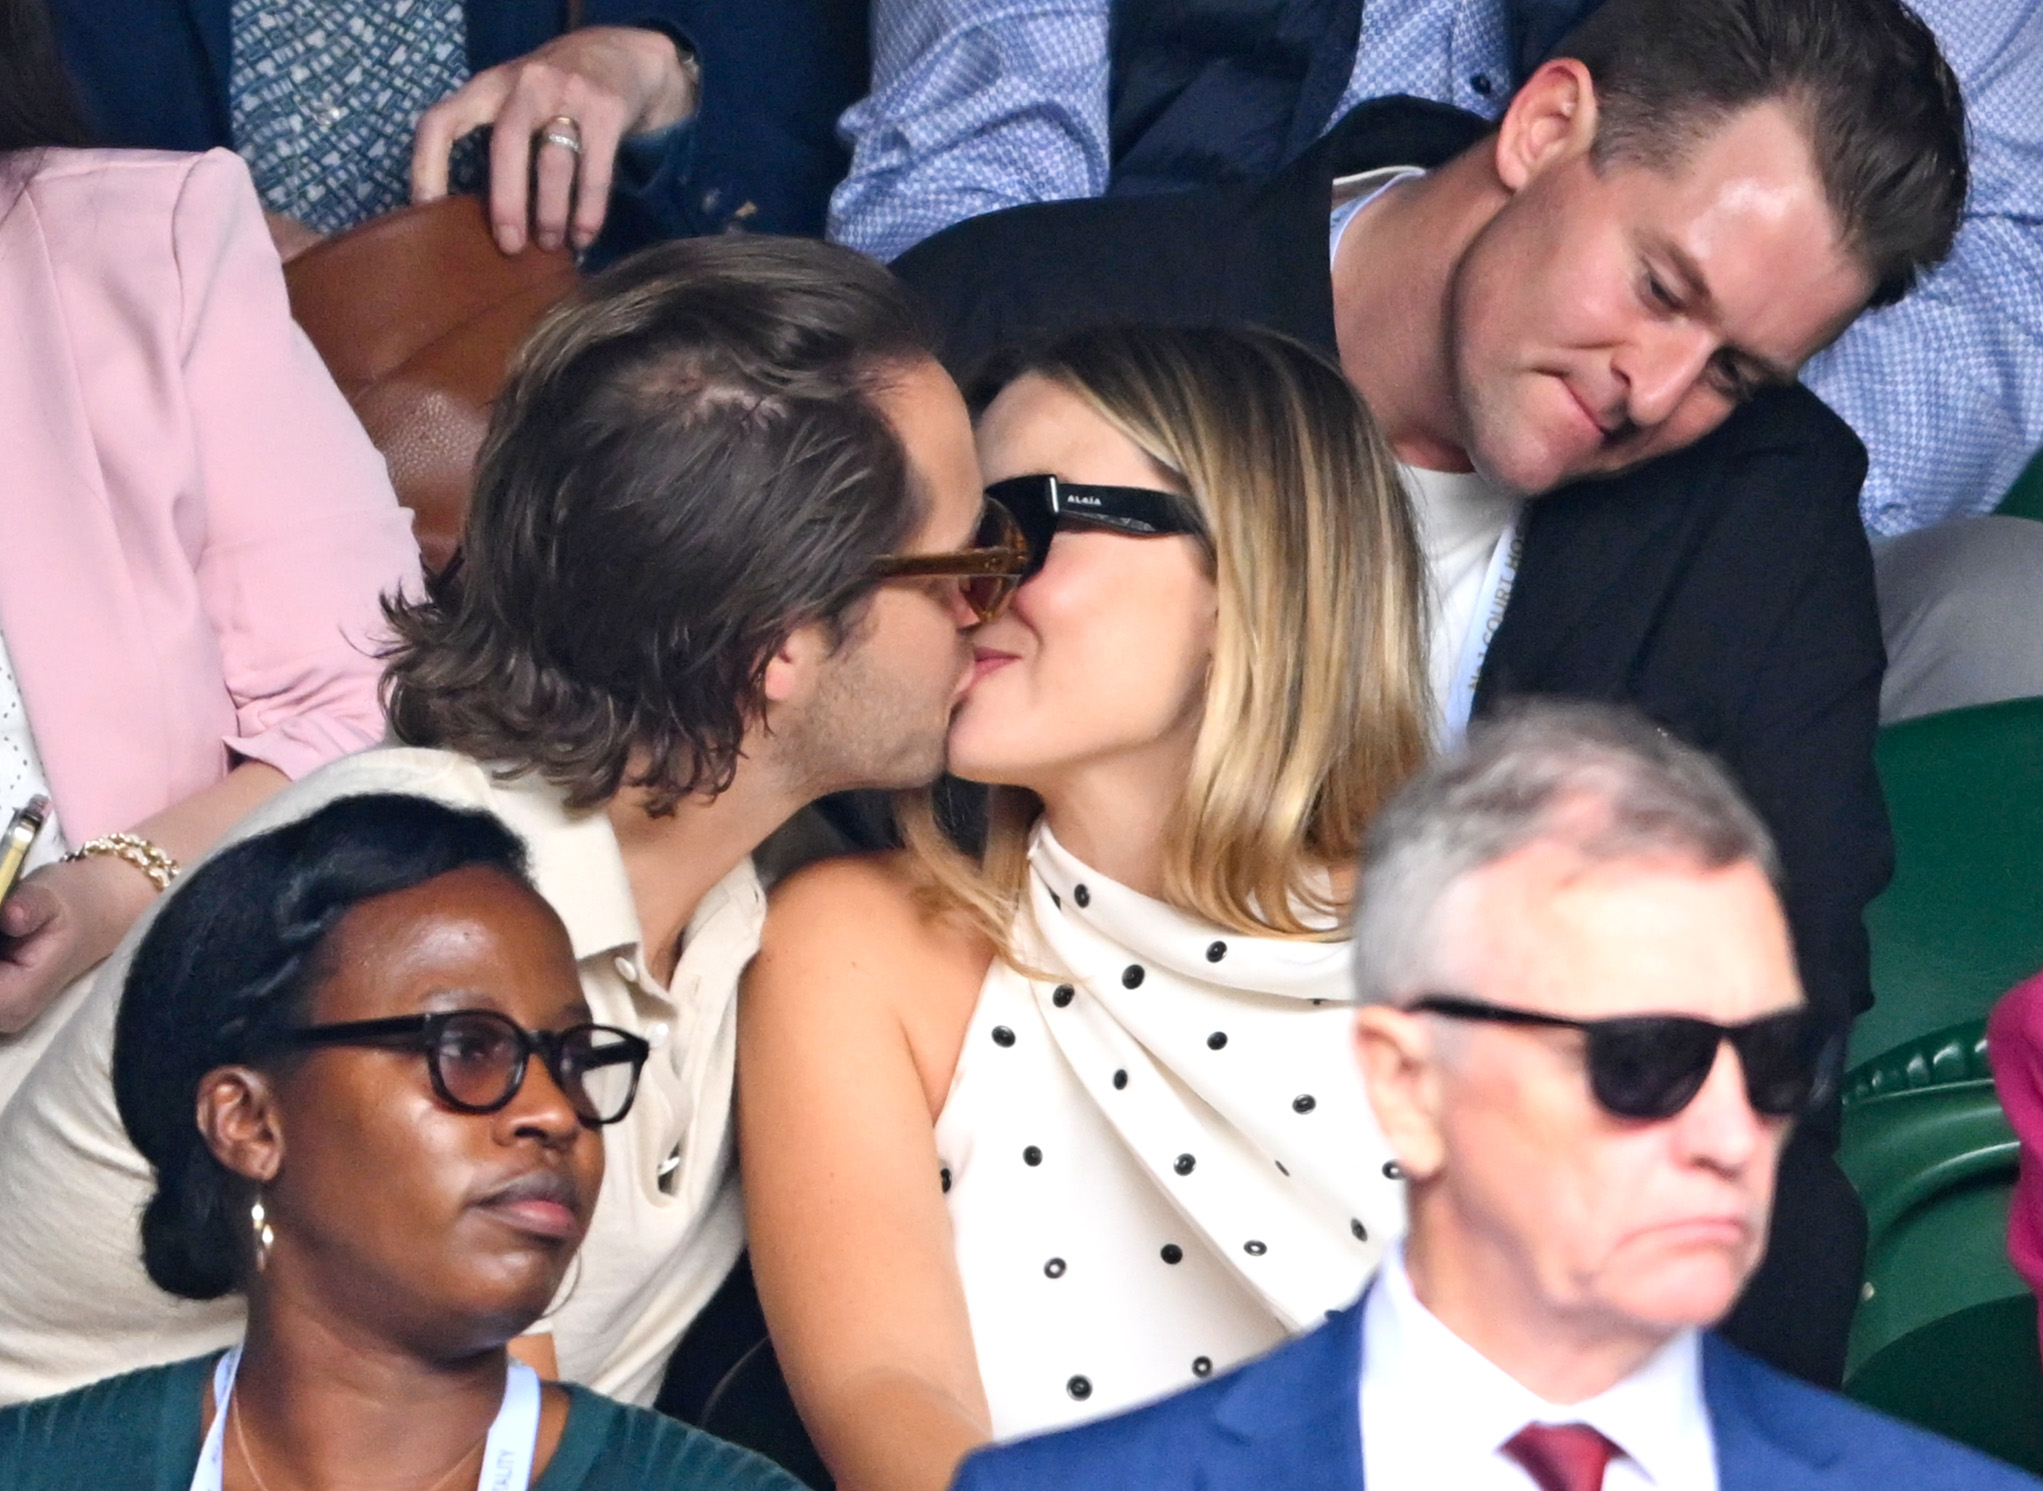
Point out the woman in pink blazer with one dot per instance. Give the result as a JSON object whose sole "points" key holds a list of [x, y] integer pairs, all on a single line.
{"points": [[194, 529]]}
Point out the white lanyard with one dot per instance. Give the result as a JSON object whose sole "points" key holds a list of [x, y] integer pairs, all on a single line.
{"points": [[1498, 581], [506, 1456]]}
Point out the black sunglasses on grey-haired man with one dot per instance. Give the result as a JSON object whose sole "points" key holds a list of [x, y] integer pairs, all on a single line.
{"points": [[1652, 1066]]}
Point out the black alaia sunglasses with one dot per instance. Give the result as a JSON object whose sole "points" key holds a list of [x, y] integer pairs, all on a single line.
{"points": [[1020, 518], [1652, 1066], [478, 1058], [1041, 503]]}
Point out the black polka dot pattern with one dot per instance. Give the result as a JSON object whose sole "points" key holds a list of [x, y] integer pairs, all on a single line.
{"points": [[1063, 995], [1120, 1080], [1202, 1366], [1081, 895], [1305, 1102], [1361, 1233], [1032, 1156], [1132, 976], [1054, 1269], [1184, 1164], [1079, 1387], [1172, 1253], [1217, 1041], [1002, 1036], [1254, 1248], [1215, 951]]}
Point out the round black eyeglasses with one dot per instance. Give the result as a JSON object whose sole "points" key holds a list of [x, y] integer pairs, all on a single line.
{"points": [[1652, 1066], [477, 1058]]}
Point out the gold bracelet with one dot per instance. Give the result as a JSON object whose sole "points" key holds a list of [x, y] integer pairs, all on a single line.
{"points": [[137, 851]]}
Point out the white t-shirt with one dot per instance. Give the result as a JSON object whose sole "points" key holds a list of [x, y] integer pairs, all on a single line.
{"points": [[1462, 518], [1436, 1412]]}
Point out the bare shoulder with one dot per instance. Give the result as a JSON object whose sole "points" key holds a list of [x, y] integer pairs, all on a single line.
{"points": [[852, 945], [865, 910]]}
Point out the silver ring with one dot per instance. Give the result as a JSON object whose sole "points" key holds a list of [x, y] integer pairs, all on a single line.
{"points": [[569, 137]]}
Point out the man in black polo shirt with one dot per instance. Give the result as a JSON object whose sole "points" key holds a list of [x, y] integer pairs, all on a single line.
{"points": [[1580, 330]]}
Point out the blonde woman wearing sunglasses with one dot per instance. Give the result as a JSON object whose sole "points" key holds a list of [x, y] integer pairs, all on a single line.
{"points": [[1038, 1134]]}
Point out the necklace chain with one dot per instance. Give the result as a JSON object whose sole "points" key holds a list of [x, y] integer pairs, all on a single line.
{"points": [[241, 1443]]}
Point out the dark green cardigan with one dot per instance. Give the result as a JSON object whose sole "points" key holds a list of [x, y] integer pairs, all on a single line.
{"points": [[140, 1432]]}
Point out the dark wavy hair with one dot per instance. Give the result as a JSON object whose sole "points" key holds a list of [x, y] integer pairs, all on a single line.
{"points": [[229, 965], [1880, 104], [37, 106], [686, 464]]}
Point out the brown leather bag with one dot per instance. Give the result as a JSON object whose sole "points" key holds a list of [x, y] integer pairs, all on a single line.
{"points": [[417, 314]]}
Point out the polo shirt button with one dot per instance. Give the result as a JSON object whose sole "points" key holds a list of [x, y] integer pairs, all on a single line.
{"points": [[1482, 84], [626, 969], [1079, 1388], [657, 1033], [1131, 976], [1084, 898]]}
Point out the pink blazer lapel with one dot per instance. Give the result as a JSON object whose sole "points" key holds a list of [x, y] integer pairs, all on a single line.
{"points": [[65, 588]]}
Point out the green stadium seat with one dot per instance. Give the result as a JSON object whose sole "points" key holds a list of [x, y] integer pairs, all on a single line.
{"points": [[1962, 922], [1946, 1334], [2025, 497]]}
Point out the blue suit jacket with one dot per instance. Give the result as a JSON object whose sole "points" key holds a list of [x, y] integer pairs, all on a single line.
{"points": [[1290, 1421], [776, 74]]}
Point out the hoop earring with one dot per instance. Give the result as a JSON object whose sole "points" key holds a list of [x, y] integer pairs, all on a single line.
{"points": [[560, 1302], [265, 1235]]}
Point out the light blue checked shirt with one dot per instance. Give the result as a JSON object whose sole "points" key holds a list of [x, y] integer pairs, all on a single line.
{"points": [[983, 104]]}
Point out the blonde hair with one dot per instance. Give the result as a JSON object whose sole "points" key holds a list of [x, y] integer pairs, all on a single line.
{"points": [[1316, 702]]}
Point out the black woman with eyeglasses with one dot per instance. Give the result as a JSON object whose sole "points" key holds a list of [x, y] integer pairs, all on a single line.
{"points": [[357, 1056], [1036, 1133]]}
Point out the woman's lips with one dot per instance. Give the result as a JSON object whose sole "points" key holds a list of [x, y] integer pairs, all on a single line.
{"points": [[542, 1204], [987, 660]]}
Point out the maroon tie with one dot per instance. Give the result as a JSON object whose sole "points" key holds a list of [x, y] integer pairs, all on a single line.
{"points": [[1562, 1457]]}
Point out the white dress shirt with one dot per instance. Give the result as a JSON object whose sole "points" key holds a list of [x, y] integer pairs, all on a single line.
{"points": [[1436, 1412]]}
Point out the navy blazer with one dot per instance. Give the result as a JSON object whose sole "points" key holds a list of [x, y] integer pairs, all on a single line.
{"points": [[1291, 1421], [761, 154]]}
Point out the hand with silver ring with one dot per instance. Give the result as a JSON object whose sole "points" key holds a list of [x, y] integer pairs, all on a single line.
{"points": [[585, 92], [562, 130]]}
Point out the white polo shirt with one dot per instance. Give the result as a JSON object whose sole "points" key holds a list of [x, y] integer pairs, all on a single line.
{"points": [[75, 1305]]}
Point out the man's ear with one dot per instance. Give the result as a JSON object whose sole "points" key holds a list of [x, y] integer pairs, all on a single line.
{"points": [[1552, 118], [1402, 1069], [792, 671], [238, 1118]]}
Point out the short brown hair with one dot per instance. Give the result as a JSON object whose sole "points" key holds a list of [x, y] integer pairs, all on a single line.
{"points": [[1881, 106], [685, 465]]}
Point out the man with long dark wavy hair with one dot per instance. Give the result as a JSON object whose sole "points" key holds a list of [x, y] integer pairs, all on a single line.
{"points": [[678, 616]]}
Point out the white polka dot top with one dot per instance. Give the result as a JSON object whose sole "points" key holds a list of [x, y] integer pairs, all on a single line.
{"points": [[21, 769], [1158, 1163]]}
